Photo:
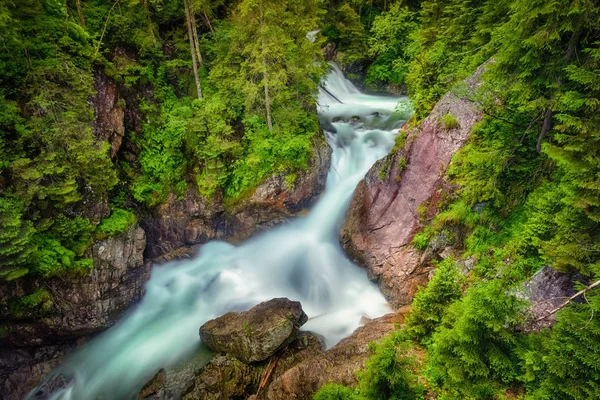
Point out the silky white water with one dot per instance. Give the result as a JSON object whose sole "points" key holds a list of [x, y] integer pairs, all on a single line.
{"points": [[301, 260]]}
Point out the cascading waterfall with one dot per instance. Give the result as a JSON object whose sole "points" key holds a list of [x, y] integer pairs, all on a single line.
{"points": [[301, 260]]}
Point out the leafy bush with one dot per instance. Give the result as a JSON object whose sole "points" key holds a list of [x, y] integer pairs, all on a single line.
{"points": [[333, 391], [450, 122], [474, 351], [566, 366], [431, 302], [31, 305], [420, 241], [392, 371], [118, 222]]}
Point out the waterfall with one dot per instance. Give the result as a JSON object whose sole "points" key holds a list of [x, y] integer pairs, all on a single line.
{"points": [[301, 260]]}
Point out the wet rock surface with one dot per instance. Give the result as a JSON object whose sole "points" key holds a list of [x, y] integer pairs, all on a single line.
{"points": [[296, 371], [546, 290], [398, 191], [32, 345], [256, 334]]}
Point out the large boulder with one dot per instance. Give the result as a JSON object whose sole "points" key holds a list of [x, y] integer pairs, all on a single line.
{"points": [[399, 191], [256, 334], [225, 377]]}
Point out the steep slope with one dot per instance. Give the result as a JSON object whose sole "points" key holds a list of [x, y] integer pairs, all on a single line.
{"points": [[388, 205]]}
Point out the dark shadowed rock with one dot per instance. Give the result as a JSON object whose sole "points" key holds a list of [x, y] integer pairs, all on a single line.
{"points": [[85, 305], [109, 124], [256, 334], [546, 290], [21, 369], [225, 377], [386, 213]]}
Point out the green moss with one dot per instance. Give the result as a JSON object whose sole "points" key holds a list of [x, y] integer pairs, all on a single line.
{"points": [[290, 180], [450, 122], [385, 168], [400, 142], [31, 305], [118, 222], [420, 241]]}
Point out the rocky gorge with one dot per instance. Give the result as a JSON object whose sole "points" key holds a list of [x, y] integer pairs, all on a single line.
{"points": [[262, 353]]}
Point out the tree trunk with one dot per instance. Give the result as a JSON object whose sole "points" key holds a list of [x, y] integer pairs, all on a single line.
{"points": [[191, 36], [208, 22], [80, 12], [195, 32], [545, 129]]}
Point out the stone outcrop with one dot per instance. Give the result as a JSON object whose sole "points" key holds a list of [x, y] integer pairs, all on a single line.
{"points": [[338, 364], [109, 124], [195, 219], [296, 371], [257, 334], [77, 307], [546, 290], [386, 213], [225, 377], [184, 222]]}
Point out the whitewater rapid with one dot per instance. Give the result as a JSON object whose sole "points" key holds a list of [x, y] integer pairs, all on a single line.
{"points": [[301, 260]]}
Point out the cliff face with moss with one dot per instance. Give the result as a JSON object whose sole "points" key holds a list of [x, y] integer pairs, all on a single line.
{"points": [[402, 191]]}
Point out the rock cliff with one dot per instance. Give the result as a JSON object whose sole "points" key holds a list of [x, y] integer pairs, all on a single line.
{"points": [[400, 190]]}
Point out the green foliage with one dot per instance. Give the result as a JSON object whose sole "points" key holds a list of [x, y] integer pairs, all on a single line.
{"points": [[569, 368], [474, 351], [430, 303], [420, 241], [391, 372], [31, 305], [333, 391], [389, 45], [118, 222], [15, 239], [344, 28], [450, 122]]}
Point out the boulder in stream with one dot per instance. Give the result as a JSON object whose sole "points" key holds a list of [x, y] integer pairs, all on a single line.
{"points": [[256, 334]]}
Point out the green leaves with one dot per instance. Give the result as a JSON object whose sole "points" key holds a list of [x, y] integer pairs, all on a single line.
{"points": [[390, 45]]}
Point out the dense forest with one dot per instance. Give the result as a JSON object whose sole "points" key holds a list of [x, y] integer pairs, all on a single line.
{"points": [[221, 94]]}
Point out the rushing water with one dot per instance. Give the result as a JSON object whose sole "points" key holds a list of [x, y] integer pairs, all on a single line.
{"points": [[301, 260]]}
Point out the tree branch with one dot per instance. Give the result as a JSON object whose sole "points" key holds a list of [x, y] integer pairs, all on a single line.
{"points": [[584, 291]]}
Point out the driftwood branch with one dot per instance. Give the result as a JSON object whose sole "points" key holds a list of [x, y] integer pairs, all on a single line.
{"points": [[563, 305]]}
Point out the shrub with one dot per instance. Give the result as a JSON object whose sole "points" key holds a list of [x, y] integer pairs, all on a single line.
{"points": [[391, 373], [118, 222], [432, 301], [474, 351], [420, 241], [333, 391], [450, 122]]}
